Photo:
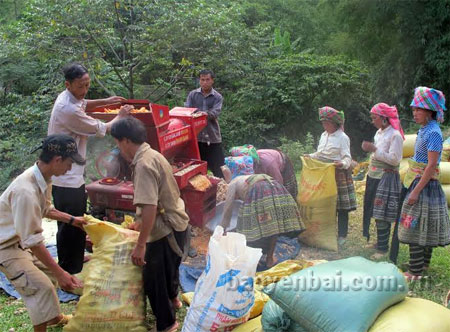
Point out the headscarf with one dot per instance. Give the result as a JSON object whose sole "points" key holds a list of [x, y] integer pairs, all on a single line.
{"points": [[244, 150], [242, 165], [389, 112], [330, 114], [430, 99]]}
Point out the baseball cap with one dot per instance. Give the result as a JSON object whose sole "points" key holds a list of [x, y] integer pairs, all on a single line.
{"points": [[64, 146]]}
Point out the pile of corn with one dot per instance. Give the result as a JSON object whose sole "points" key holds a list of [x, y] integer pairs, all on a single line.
{"points": [[222, 188], [116, 111], [200, 182]]}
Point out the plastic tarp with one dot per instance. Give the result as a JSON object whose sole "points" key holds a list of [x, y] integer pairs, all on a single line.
{"points": [[11, 291]]}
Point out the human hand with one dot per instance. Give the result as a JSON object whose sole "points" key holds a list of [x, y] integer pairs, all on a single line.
{"points": [[413, 197], [138, 254], [134, 226], [368, 146], [115, 100], [338, 164], [67, 281], [79, 222], [125, 110]]}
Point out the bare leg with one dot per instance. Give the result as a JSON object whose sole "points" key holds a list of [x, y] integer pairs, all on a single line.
{"points": [[270, 261]]}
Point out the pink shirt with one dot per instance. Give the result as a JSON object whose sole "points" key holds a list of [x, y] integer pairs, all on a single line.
{"points": [[271, 162]]}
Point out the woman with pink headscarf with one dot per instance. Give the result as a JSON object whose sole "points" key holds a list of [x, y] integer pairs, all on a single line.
{"points": [[383, 186]]}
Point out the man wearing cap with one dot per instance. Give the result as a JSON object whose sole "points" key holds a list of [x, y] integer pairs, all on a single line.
{"points": [[24, 258], [69, 117], [208, 100]]}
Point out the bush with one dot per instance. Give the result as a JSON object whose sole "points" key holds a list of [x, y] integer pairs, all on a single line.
{"points": [[295, 149], [23, 125]]}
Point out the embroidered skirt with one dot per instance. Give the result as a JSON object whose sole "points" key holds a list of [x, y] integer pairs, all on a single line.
{"points": [[426, 223], [267, 210], [346, 198], [381, 199]]}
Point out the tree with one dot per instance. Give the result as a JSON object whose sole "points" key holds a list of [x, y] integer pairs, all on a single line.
{"points": [[404, 43], [284, 93]]}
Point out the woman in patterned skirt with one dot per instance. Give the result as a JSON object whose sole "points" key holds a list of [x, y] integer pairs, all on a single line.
{"points": [[267, 211], [383, 186], [272, 162], [424, 220], [334, 146]]}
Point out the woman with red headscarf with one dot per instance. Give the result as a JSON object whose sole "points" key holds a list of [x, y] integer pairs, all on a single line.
{"points": [[383, 186]]}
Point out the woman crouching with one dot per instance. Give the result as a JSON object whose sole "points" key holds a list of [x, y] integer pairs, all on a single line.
{"points": [[267, 211]]}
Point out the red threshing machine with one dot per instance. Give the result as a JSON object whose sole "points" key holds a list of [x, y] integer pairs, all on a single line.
{"points": [[174, 134]]}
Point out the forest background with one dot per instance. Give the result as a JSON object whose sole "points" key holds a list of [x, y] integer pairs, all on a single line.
{"points": [[276, 61]]}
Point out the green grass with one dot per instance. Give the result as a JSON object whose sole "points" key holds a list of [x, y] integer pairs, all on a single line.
{"points": [[13, 315], [434, 288], [437, 282]]}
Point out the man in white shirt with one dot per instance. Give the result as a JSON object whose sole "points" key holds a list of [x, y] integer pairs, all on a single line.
{"points": [[23, 257], [69, 117]]}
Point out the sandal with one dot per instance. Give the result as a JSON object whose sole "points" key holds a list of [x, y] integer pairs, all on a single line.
{"points": [[405, 267], [172, 328], [411, 277], [373, 246], [63, 321], [379, 255]]}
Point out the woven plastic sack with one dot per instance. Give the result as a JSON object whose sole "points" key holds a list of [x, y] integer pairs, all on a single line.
{"points": [[274, 319], [253, 325], [446, 189], [317, 200], [408, 145], [260, 301], [283, 269], [244, 150], [339, 296], [255, 311], [240, 165], [445, 156], [413, 315], [224, 293], [403, 168], [444, 175], [113, 298]]}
